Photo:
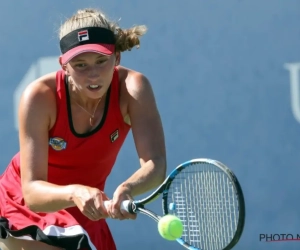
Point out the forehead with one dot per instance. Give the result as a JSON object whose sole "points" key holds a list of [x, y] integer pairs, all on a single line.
{"points": [[89, 56]]}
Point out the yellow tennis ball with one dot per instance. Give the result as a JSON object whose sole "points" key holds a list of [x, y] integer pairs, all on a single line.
{"points": [[170, 227]]}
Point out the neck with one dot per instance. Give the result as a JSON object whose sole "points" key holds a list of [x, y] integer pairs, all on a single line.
{"points": [[80, 99]]}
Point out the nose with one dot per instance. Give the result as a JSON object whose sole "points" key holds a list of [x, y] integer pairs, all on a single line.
{"points": [[93, 72]]}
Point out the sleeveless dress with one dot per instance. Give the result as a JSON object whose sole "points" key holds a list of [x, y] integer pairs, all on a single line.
{"points": [[85, 159]]}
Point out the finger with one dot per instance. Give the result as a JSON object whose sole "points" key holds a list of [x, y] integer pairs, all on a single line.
{"points": [[104, 196], [131, 216], [109, 209], [96, 213], [99, 207], [116, 211], [89, 215], [128, 215], [91, 211]]}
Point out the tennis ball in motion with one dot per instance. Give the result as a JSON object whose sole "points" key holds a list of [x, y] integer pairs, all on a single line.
{"points": [[170, 227]]}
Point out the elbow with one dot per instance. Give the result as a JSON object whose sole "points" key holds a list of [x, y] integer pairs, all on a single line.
{"points": [[28, 202], [28, 197], [32, 207]]}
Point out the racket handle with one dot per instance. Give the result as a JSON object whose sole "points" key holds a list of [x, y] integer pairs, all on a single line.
{"points": [[124, 205]]}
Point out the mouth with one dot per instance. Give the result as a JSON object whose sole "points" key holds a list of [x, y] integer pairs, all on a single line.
{"points": [[93, 87]]}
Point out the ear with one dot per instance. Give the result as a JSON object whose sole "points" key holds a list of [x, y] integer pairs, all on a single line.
{"points": [[118, 58], [63, 66], [59, 60]]}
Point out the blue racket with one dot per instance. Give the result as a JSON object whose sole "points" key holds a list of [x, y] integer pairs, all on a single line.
{"points": [[207, 197]]}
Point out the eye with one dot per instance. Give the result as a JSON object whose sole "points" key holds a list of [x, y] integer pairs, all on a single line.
{"points": [[80, 65], [101, 61]]}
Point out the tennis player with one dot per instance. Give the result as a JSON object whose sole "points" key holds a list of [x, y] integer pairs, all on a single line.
{"points": [[72, 125]]}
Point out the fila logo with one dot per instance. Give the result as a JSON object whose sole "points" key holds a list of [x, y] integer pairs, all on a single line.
{"points": [[83, 35], [114, 136]]}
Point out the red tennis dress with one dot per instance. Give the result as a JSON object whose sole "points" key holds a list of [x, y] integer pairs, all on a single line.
{"points": [[85, 159]]}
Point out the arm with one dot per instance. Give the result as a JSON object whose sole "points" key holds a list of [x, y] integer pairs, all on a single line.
{"points": [[148, 137], [36, 112]]}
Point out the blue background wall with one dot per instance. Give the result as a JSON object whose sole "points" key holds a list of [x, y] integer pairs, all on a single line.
{"points": [[221, 72]]}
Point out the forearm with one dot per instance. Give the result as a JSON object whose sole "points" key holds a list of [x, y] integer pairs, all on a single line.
{"points": [[42, 196], [151, 174]]}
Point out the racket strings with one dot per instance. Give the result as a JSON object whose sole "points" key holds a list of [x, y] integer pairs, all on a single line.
{"points": [[206, 203]]}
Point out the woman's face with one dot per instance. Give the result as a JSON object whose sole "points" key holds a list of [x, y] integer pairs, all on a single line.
{"points": [[91, 73]]}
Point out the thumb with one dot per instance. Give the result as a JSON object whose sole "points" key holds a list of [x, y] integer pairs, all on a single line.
{"points": [[104, 196]]}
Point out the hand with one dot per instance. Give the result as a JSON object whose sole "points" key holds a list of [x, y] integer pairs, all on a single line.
{"points": [[90, 202], [114, 211]]}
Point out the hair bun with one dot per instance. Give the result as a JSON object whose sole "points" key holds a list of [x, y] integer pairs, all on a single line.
{"points": [[128, 38]]}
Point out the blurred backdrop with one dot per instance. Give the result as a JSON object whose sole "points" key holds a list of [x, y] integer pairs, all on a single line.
{"points": [[226, 79]]}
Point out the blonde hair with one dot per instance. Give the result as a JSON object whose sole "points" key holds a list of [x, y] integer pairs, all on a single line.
{"points": [[126, 39]]}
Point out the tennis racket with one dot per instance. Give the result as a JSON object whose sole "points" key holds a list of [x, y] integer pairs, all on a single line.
{"points": [[207, 197]]}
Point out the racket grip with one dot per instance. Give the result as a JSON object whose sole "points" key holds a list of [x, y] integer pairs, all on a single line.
{"points": [[124, 205]]}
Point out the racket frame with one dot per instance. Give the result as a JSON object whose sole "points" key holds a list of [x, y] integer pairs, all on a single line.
{"points": [[139, 205]]}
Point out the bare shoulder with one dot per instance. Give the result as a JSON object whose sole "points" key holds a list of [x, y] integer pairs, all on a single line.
{"points": [[40, 96], [133, 82], [43, 86]]}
